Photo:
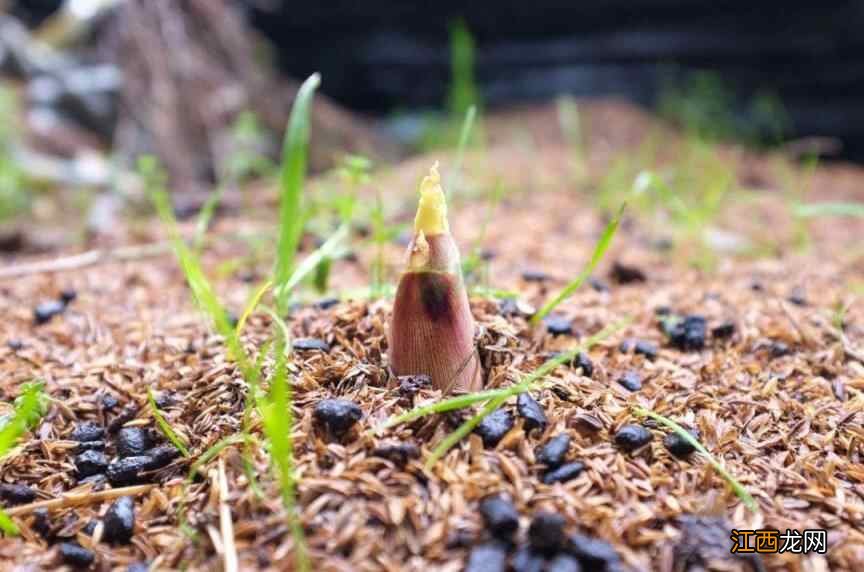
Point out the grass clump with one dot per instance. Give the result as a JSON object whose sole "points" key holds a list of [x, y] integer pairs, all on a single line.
{"points": [[704, 105], [276, 407], [28, 408], [735, 485]]}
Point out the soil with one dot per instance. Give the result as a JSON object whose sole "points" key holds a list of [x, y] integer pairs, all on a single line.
{"points": [[775, 393]]}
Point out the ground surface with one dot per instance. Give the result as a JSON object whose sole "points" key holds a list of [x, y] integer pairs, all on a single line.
{"points": [[779, 402]]}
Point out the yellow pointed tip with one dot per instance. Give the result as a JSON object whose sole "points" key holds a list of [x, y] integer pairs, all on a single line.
{"points": [[431, 216]]}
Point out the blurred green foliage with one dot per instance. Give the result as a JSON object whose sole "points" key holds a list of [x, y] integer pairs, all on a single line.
{"points": [[704, 105], [14, 198]]}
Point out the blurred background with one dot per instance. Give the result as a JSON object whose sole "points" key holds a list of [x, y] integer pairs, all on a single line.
{"points": [[206, 85]]}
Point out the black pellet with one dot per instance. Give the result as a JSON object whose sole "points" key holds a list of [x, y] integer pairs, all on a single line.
{"points": [[90, 446], [631, 437], [87, 431], [487, 557], [526, 560], [554, 452], [594, 554], [160, 456], [119, 521], [500, 517], [546, 533], [45, 311], [76, 555], [687, 333], [630, 380], [127, 471], [90, 463], [531, 412], [678, 445], [564, 563], [326, 303], [723, 331], [133, 441], [310, 344], [67, 296], [584, 362], [398, 453], [494, 426], [558, 325], [626, 274], [409, 385], [338, 415], [532, 275], [13, 494], [564, 473]]}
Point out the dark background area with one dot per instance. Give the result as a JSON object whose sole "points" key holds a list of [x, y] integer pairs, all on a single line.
{"points": [[384, 56]]}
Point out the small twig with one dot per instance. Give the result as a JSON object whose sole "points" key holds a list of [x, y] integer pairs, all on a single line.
{"points": [[226, 527], [77, 499], [85, 259]]}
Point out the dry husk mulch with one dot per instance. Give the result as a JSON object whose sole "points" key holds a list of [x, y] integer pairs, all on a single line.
{"points": [[787, 425]]}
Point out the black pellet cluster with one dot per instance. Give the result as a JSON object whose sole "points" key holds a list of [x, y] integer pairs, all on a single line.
{"points": [[136, 454], [554, 455], [544, 547], [45, 311], [687, 333]]}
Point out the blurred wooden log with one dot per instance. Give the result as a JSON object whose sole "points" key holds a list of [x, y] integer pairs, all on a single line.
{"points": [[191, 67]]}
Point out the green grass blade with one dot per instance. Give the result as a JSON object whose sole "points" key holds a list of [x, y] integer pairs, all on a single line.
{"points": [[736, 486], [251, 305], [451, 404], [7, 525], [165, 427], [455, 436], [813, 210], [530, 382], [213, 451], [284, 330], [27, 412], [463, 92], [464, 137], [599, 251], [205, 216], [292, 177], [278, 417], [326, 250]]}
